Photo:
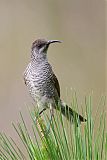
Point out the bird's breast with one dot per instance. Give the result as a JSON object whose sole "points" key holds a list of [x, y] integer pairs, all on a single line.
{"points": [[38, 81]]}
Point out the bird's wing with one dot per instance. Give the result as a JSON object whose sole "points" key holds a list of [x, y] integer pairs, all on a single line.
{"points": [[56, 84]]}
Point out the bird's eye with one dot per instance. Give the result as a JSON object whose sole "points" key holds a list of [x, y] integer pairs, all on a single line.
{"points": [[40, 45]]}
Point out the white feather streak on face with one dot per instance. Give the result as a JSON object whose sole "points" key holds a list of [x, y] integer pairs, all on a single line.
{"points": [[43, 49]]}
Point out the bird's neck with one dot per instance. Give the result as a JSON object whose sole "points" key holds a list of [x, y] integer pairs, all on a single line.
{"points": [[37, 58]]}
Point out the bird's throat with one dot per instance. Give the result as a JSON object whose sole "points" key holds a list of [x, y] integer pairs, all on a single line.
{"points": [[37, 57]]}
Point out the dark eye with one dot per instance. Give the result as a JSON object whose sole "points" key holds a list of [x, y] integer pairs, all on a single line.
{"points": [[40, 45]]}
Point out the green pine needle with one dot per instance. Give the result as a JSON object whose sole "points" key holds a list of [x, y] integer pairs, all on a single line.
{"points": [[65, 141]]}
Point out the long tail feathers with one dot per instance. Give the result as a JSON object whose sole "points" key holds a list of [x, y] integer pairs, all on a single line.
{"points": [[71, 114]]}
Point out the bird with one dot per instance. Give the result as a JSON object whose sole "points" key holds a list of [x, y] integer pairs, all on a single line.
{"points": [[43, 84]]}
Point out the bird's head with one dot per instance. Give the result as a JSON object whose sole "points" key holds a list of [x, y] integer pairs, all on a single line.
{"points": [[40, 47]]}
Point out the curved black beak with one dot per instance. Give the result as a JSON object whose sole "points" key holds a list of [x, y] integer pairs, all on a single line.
{"points": [[54, 41]]}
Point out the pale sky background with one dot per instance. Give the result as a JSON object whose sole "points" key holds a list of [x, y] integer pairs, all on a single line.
{"points": [[79, 62]]}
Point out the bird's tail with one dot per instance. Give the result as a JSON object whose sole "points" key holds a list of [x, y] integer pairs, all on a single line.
{"points": [[71, 114]]}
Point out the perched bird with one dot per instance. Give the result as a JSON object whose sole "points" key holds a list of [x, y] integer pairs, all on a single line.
{"points": [[42, 83]]}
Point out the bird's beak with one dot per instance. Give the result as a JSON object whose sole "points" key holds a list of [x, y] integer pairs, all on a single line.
{"points": [[54, 41]]}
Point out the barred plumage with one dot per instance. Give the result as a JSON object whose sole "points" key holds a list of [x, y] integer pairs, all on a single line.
{"points": [[41, 80]]}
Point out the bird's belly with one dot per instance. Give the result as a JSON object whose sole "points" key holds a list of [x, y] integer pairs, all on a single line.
{"points": [[40, 96], [39, 85], [37, 91], [34, 90]]}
